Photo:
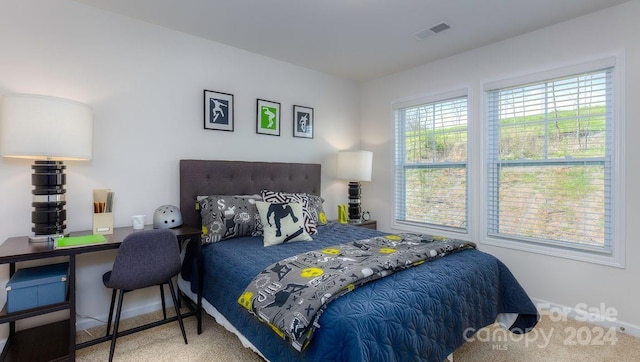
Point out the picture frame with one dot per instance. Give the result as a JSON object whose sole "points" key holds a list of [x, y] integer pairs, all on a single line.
{"points": [[303, 122], [218, 111], [268, 117]]}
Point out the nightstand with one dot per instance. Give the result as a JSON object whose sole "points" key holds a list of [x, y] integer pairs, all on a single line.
{"points": [[370, 224]]}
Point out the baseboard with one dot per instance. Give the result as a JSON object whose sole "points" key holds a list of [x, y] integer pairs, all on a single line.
{"points": [[86, 322], [598, 315]]}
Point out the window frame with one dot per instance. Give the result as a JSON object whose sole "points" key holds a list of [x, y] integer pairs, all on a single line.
{"points": [[443, 96], [616, 256]]}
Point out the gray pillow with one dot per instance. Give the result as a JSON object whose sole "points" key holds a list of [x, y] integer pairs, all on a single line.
{"points": [[316, 209], [229, 216]]}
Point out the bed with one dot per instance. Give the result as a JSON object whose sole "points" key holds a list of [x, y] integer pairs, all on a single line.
{"points": [[422, 313]]}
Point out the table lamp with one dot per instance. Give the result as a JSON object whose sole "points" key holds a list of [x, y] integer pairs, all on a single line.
{"points": [[354, 166], [48, 130]]}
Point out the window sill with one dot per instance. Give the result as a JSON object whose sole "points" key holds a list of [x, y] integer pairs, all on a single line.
{"points": [[613, 260]]}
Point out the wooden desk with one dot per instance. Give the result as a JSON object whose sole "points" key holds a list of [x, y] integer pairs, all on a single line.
{"points": [[57, 341]]}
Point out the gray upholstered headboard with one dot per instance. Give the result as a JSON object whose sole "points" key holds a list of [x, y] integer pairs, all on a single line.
{"points": [[204, 177]]}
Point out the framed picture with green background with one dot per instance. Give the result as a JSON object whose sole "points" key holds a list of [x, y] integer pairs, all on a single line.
{"points": [[268, 118]]}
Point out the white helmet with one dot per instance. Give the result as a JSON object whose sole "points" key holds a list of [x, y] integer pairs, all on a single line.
{"points": [[167, 216]]}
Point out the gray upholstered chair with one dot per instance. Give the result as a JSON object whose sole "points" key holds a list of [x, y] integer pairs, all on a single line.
{"points": [[145, 258]]}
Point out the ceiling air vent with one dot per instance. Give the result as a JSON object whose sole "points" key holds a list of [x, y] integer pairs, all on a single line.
{"points": [[422, 34]]}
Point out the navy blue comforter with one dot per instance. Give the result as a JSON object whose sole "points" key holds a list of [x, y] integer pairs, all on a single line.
{"points": [[422, 313]]}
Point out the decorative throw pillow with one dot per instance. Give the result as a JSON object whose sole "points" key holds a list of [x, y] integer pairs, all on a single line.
{"points": [[316, 209], [227, 216], [301, 198], [282, 222]]}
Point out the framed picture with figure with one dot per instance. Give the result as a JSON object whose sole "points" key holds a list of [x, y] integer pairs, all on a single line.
{"points": [[268, 118], [303, 122], [218, 111]]}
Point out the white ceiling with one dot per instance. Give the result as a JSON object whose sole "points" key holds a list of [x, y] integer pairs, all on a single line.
{"points": [[353, 39]]}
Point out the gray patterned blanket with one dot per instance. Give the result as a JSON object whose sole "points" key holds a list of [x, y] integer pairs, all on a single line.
{"points": [[291, 294]]}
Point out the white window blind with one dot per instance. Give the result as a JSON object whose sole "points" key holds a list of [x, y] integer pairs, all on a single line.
{"points": [[431, 163], [549, 161]]}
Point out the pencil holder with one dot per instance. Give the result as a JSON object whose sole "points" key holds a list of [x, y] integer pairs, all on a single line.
{"points": [[102, 211], [103, 223]]}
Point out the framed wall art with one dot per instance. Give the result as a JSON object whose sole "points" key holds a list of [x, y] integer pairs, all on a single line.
{"points": [[218, 111], [268, 118], [303, 122]]}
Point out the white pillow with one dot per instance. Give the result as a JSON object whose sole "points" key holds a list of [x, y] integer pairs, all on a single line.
{"points": [[308, 212], [282, 222]]}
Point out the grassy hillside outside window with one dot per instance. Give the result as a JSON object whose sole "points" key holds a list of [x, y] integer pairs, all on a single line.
{"points": [[550, 161], [431, 163]]}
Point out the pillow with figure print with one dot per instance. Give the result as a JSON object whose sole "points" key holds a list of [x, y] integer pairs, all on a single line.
{"points": [[282, 222]]}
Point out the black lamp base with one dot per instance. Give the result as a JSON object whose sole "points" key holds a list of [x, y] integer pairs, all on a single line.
{"points": [[49, 215], [354, 203]]}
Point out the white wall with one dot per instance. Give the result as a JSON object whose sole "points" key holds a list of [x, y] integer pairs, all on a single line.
{"points": [[549, 278], [145, 84]]}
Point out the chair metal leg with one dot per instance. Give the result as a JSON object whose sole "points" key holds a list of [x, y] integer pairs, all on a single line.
{"points": [[175, 304], [113, 302], [115, 326], [164, 307], [178, 295]]}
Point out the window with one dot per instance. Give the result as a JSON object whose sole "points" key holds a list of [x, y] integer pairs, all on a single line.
{"points": [[552, 175], [431, 162]]}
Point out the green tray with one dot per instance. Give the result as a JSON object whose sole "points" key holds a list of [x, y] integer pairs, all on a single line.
{"points": [[72, 241]]}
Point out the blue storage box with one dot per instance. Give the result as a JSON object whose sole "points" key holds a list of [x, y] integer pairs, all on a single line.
{"points": [[37, 286]]}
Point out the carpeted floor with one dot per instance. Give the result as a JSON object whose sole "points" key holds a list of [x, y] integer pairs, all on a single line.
{"points": [[549, 341]]}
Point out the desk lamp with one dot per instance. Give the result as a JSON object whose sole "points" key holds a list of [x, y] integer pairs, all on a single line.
{"points": [[48, 130], [354, 166]]}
